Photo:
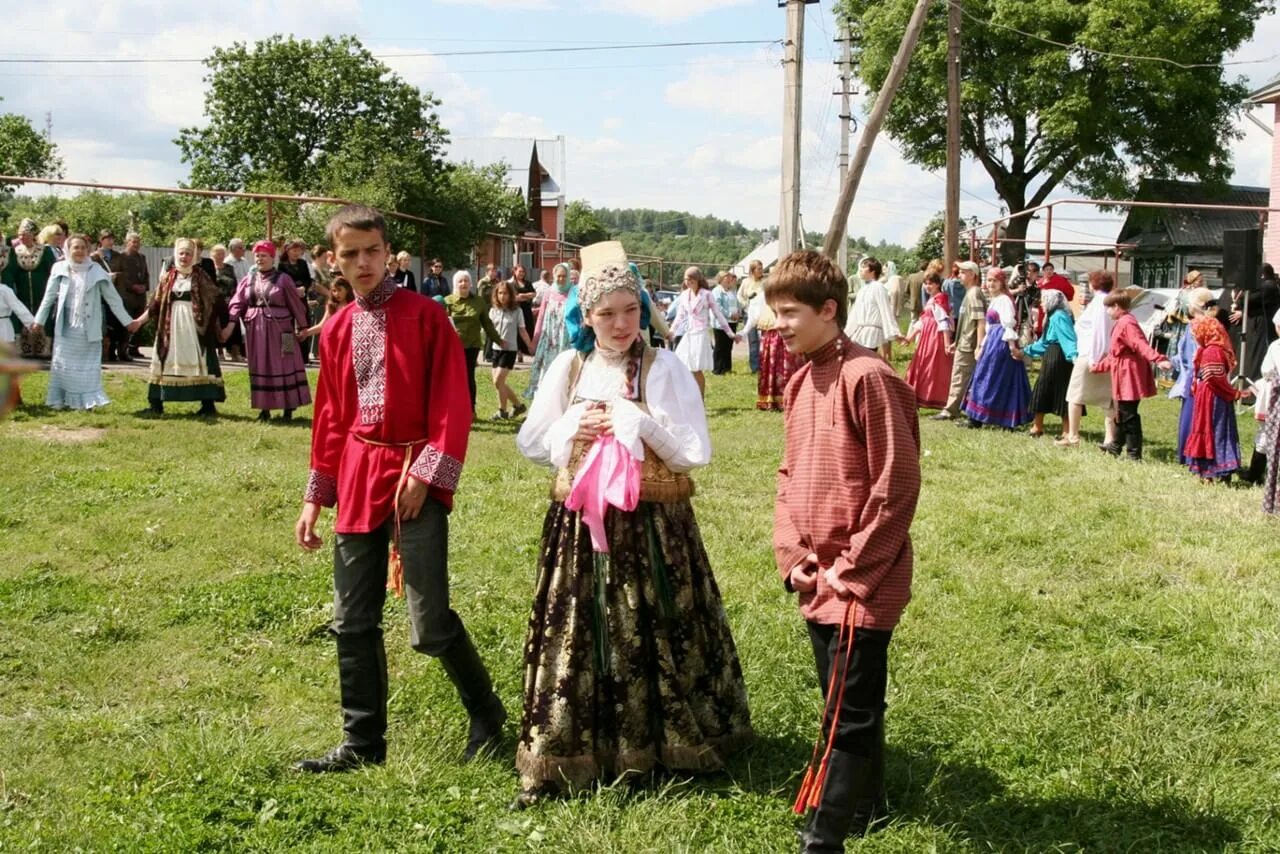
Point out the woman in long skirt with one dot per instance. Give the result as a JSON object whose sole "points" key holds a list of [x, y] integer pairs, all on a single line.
{"points": [[775, 363], [1213, 446], [999, 393], [696, 314], [189, 313], [930, 370], [550, 332], [1182, 353], [629, 661], [76, 291], [274, 314], [1056, 349]]}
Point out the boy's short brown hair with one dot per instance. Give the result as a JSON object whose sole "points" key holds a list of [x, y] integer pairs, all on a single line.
{"points": [[1120, 298], [357, 217], [811, 278]]}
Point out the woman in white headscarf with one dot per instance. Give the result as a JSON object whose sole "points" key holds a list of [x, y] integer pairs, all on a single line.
{"points": [[77, 289]]}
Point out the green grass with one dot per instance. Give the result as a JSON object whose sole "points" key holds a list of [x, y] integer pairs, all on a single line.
{"points": [[1089, 662]]}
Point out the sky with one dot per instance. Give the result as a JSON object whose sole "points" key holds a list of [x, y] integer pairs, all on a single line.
{"points": [[684, 128]]}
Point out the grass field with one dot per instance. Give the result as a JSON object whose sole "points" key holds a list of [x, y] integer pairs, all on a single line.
{"points": [[1089, 663]]}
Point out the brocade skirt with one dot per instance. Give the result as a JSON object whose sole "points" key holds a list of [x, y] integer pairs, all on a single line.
{"points": [[629, 663]]}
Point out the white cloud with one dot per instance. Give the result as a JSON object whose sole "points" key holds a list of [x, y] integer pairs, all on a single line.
{"points": [[501, 4], [666, 11], [519, 125], [744, 91]]}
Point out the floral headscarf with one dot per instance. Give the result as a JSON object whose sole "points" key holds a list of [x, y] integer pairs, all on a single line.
{"points": [[1207, 332]]}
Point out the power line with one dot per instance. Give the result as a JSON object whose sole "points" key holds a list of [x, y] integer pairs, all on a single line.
{"points": [[1104, 53], [506, 70], [495, 52]]}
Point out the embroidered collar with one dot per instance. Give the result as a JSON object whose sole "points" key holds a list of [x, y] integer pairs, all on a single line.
{"points": [[378, 297], [830, 351]]}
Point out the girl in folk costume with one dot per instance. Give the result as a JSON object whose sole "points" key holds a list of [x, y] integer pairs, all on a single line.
{"points": [[1213, 445], [1129, 360], [1057, 350], [78, 288], [999, 394], [28, 274], [508, 320], [930, 370], [1192, 305], [696, 313], [629, 661], [774, 362], [188, 309], [550, 333], [274, 314]]}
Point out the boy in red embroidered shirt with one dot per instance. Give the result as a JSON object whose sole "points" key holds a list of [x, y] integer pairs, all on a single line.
{"points": [[847, 491], [389, 436]]}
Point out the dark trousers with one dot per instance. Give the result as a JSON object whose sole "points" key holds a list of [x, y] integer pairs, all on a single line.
{"points": [[1128, 429], [722, 352], [753, 350], [863, 705], [359, 592], [117, 339], [473, 355]]}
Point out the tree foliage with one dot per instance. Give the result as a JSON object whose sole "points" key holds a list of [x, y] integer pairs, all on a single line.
{"points": [[25, 152], [582, 226], [1037, 117], [326, 118], [930, 244]]}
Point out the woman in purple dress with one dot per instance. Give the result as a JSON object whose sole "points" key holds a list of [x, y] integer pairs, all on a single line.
{"points": [[267, 301]]}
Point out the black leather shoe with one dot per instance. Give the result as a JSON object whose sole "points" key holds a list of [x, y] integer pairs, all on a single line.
{"points": [[344, 757], [486, 734]]}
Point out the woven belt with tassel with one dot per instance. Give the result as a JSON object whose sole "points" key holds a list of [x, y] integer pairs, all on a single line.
{"points": [[395, 568], [815, 776]]}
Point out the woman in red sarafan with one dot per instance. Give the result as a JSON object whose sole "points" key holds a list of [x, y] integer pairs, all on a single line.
{"points": [[930, 370], [1213, 446]]}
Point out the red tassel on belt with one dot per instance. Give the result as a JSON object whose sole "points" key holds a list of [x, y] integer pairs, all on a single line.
{"points": [[815, 776]]}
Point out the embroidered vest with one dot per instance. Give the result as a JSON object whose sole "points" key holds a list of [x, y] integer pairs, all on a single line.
{"points": [[658, 483]]}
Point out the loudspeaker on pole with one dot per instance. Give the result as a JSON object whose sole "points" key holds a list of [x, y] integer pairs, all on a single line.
{"points": [[1241, 258]]}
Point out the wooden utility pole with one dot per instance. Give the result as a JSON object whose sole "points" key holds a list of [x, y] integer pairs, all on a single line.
{"points": [[793, 70], [840, 218], [951, 226], [846, 122]]}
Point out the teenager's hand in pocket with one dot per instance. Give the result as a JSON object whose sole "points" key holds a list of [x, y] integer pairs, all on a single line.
{"points": [[412, 497]]}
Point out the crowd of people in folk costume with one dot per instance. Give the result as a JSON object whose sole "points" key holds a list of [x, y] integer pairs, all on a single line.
{"points": [[972, 355], [629, 661]]}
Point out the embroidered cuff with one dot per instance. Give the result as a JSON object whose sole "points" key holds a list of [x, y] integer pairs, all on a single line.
{"points": [[436, 468], [322, 489]]}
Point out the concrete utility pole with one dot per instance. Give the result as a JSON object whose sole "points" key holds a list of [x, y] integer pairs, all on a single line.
{"points": [[840, 218], [951, 227], [846, 122], [793, 69]]}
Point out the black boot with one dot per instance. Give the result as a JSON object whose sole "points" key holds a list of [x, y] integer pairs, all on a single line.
{"points": [[468, 674], [1257, 470], [288, 415], [853, 799], [207, 408], [362, 674], [157, 407], [264, 415]]}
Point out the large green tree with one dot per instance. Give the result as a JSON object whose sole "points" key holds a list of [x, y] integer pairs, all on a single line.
{"points": [[288, 110], [25, 152], [582, 226], [326, 118], [1037, 116]]}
